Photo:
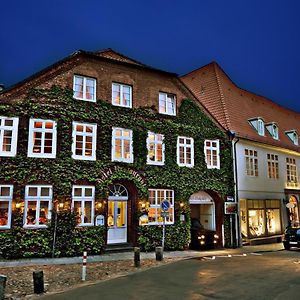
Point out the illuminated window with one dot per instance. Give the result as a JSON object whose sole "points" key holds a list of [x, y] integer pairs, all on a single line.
{"points": [[273, 171], [122, 145], [293, 211], [6, 195], [84, 141], [38, 203], [251, 162], [291, 170], [212, 154], [156, 196], [8, 136], [84, 88], [185, 151], [121, 95], [42, 138], [156, 148], [83, 204], [167, 104]]}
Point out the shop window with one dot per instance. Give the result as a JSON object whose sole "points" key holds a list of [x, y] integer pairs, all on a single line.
{"points": [[84, 88], [83, 198], [121, 95], [156, 148], [156, 196], [84, 141], [167, 104], [273, 171], [256, 220], [8, 136], [6, 195], [185, 151], [293, 211], [291, 171], [42, 138], [212, 154], [122, 145], [38, 203], [251, 162]]}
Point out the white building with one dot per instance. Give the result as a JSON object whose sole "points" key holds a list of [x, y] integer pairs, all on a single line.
{"points": [[265, 151]]}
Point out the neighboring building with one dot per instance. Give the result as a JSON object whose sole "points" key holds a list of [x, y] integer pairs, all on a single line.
{"points": [[266, 152], [108, 138]]}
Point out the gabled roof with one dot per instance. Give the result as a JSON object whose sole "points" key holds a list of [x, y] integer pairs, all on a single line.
{"points": [[107, 54], [233, 106]]}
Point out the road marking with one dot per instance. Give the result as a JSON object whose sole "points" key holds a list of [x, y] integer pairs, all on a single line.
{"points": [[253, 253]]}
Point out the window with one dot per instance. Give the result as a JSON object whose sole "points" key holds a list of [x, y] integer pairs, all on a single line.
{"points": [[84, 141], [38, 203], [212, 155], [42, 138], [259, 125], [273, 130], [122, 145], [156, 196], [83, 204], [167, 104], [185, 151], [6, 195], [291, 170], [273, 166], [84, 88], [156, 149], [293, 136], [121, 95], [8, 136], [251, 162]]}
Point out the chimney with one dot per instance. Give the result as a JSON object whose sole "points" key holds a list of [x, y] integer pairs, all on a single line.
{"points": [[1, 87]]}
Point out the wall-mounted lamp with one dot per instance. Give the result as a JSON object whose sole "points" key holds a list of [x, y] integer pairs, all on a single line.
{"points": [[18, 205], [61, 205], [99, 204], [181, 204]]}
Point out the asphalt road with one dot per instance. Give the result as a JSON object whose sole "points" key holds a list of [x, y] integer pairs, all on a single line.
{"points": [[266, 276]]}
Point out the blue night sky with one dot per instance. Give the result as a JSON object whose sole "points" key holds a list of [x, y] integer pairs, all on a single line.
{"points": [[256, 42]]}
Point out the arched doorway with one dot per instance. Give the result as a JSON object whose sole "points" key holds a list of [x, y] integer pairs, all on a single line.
{"points": [[293, 210], [203, 208], [117, 214]]}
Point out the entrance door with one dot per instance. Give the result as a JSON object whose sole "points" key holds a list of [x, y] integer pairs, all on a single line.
{"points": [[117, 215]]}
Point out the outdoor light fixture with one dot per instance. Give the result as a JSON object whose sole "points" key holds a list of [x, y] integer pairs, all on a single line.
{"points": [[18, 205], [99, 204], [143, 205], [61, 205], [181, 204]]}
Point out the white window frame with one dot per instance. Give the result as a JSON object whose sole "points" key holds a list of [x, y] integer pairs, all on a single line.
{"points": [[156, 142], [14, 135], [157, 206], [260, 127], [293, 136], [83, 199], [84, 135], [273, 166], [291, 170], [122, 138], [184, 146], [211, 148], [168, 98], [121, 87], [85, 78], [43, 131], [38, 200], [251, 160], [9, 200]]}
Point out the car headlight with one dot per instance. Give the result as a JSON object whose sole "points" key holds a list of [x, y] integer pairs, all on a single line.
{"points": [[216, 236]]}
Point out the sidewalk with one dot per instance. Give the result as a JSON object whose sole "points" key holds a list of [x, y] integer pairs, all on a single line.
{"points": [[144, 255]]}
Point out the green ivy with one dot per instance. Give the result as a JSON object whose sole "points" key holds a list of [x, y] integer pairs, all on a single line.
{"points": [[62, 172]]}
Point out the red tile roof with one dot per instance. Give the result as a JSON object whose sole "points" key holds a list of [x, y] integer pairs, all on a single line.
{"points": [[233, 106]]}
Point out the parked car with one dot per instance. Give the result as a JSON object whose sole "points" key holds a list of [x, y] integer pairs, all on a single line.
{"points": [[291, 237], [202, 238]]}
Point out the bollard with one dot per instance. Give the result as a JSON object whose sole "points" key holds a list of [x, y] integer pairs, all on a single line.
{"points": [[2, 286], [137, 259], [159, 254], [38, 282], [84, 259]]}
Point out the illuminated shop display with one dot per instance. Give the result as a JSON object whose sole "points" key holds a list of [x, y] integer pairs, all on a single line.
{"points": [[260, 218]]}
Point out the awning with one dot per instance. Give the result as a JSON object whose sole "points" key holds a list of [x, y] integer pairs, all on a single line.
{"points": [[201, 198]]}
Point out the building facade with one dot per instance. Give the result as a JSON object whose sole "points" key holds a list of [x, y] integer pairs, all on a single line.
{"points": [[265, 151], [92, 145]]}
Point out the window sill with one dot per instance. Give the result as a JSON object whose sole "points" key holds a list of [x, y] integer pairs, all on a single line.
{"points": [[84, 158], [119, 105], [83, 99], [41, 156]]}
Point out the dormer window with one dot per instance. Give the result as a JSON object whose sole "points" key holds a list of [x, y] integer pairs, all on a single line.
{"points": [[259, 125], [273, 130], [293, 136]]}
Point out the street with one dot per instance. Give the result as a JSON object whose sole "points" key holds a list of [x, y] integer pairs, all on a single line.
{"points": [[270, 275]]}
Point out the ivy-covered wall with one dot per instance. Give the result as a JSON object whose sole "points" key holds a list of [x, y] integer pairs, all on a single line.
{"points": [[63, 171]]}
